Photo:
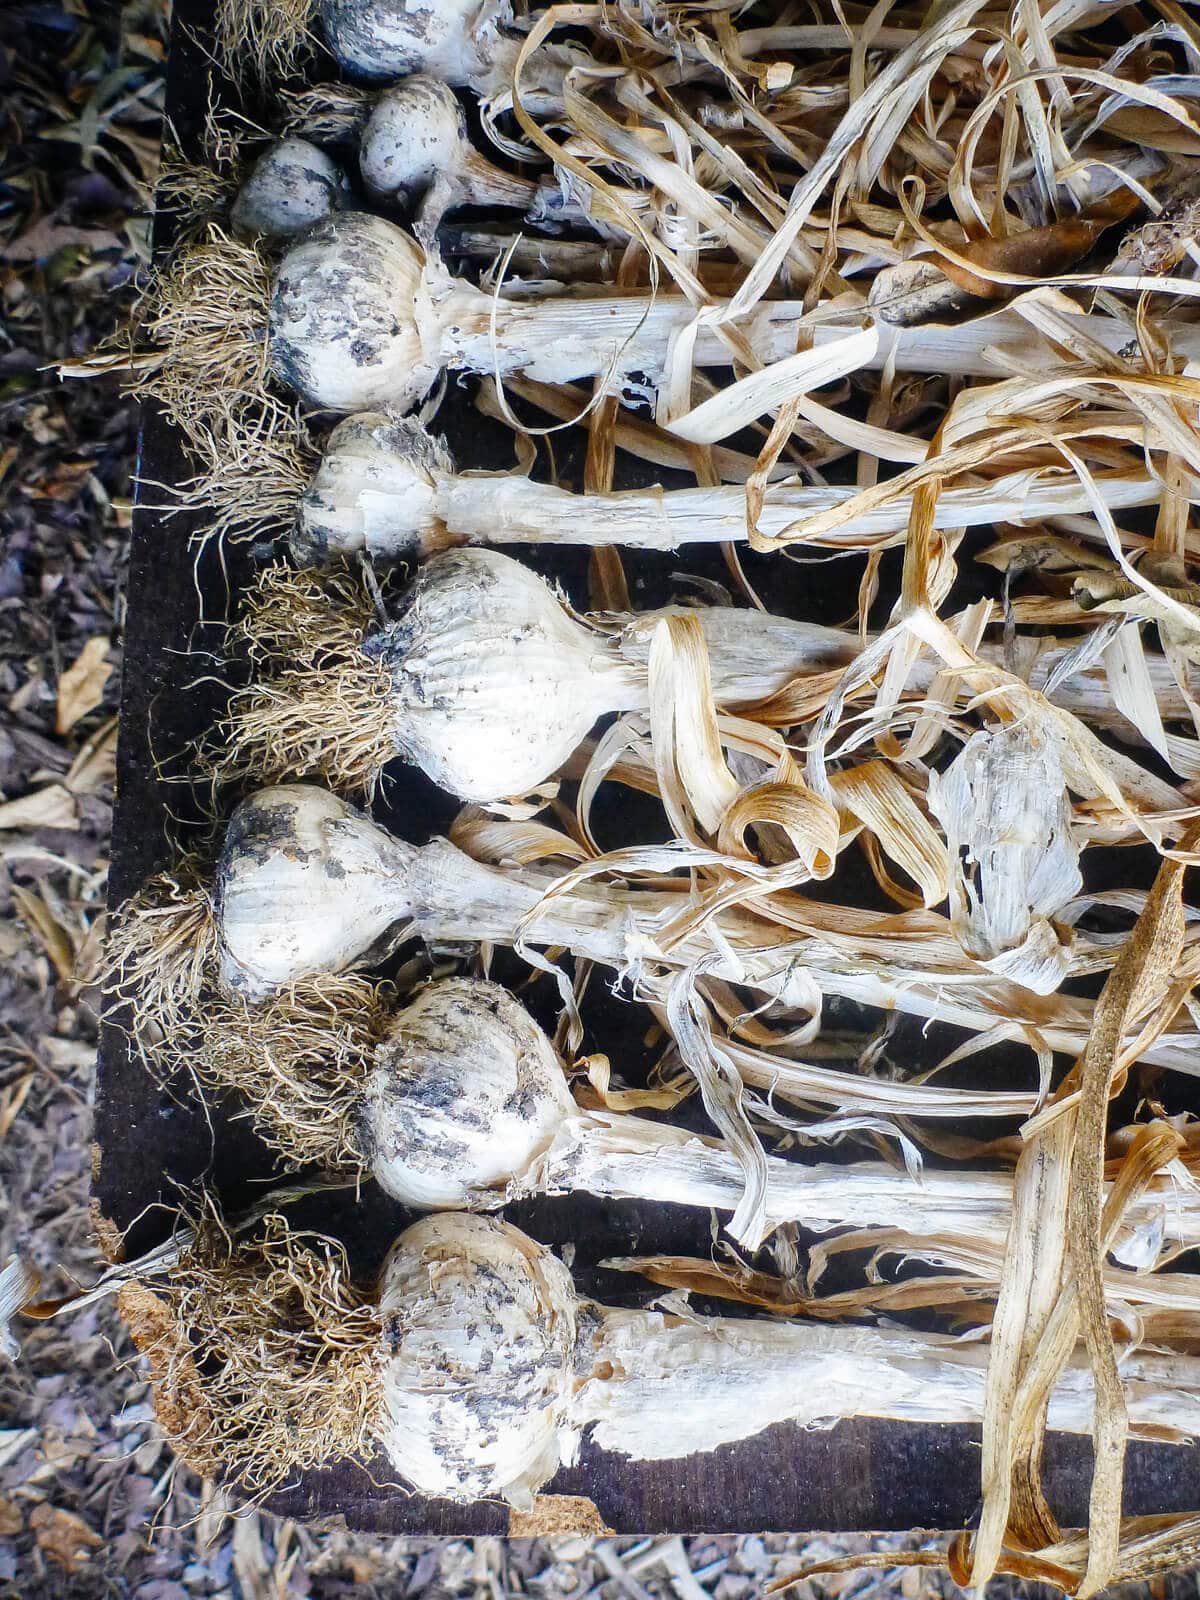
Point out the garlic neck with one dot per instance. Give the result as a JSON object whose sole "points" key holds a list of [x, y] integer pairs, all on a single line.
{"points": [[624, 1157], [658, 1386]]}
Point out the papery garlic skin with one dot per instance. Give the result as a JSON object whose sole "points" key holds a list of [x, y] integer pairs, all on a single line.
{"points": [[301, 872], [377, 484], [378, 40], [494, 684], [465, 1096], [351, 321], [1014, 863], [480, 1323], [292, 187]]}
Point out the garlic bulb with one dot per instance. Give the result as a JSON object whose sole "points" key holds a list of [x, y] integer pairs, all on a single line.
{"points": [[308, 885], [376, 485], [465, 1096], [359, 318], [494, 684], [293, 186], [1004, 805], [388, 486], [483, 677], [301, 867], [416, 140], [490, 1317], [467, 1107], [415, 152], [351, 319], [496, 1369]]}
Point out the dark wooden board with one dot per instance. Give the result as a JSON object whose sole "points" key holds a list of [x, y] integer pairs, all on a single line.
{"points": [[863, 1475]]}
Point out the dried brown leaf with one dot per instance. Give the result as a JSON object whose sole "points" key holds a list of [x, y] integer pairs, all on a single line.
{"points": [[81, 687]]}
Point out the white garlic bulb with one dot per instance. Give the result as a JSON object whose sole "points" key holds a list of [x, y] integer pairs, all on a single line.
{"points": [[482, 1331], [494, 683], [494, 1368], [416, 141], [467, 1107], [409, 507], [313, 886], [293, 186], [385, 39], [359, 318]]}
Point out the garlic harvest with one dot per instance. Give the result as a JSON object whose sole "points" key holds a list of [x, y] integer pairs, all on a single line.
{"points": [[486, 680], [306, 884], [387, 486], [360, 318], [525, 1367], [467, 1108], [293, 186]]}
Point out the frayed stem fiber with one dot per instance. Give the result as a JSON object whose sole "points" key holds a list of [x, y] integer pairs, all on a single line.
{"points": [[316, 705], [266, 1360]]}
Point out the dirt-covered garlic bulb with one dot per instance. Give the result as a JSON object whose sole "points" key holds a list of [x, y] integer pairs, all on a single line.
{"points": [[353, 326], [299, 868], [293, 186], [458, 40], [388, 486], [483, 1328], [466, 1107], [475, 1366], [307, 884], [377, 486], [416, 141], [465, 1096], [360, 318]]}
